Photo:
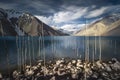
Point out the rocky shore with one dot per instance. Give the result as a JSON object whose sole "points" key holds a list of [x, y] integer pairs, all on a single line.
{"points": [[63, 69]]}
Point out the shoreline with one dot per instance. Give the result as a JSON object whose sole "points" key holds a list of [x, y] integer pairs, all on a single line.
{"points": [[64, 69]]}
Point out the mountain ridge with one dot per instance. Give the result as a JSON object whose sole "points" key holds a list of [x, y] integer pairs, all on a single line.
{"points": [[102, 27], [24, 24]]}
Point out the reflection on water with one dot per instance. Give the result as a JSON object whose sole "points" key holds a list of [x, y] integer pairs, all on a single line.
{"points": [[18, 50]]}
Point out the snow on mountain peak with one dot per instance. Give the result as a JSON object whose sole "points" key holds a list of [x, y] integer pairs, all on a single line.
{"points": [[12, 13]]}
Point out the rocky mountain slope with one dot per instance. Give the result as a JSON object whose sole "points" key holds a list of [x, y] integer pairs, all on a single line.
{"points": [[107, 26], [14, 23]]}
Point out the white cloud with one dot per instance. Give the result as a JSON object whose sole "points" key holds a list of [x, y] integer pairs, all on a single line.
{"points": [[72, 13], [47, 20], [96, 12], [72, 27], [102, 10]]}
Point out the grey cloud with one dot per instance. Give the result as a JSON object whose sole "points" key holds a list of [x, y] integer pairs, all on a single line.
{"points": [[46, 7]]}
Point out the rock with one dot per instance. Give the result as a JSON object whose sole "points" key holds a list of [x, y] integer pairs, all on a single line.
{"points": [[73, 61], [15, 74], [105, 74], [95, 75], [107, 67], [34, 67], [79, 63], [58, 62], [1, 76], [28, 67], [38, 74], [53, 78], [29, 73], [99, 64], [116, 65], [39, 64], [72, 70], [88, 71], [69, 65], [74, 75]]}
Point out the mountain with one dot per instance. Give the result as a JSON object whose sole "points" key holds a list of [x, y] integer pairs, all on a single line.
{"points": [[61, 31], [6, 27], [13, 23], [107, 26]]}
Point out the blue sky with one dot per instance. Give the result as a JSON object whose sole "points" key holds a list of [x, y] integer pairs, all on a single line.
{"points": [[66, 14]]}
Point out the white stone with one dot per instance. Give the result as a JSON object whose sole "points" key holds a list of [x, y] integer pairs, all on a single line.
{"points": [[15, 74], [28, 66], [34, 67], [29, 73], [74, 76], [73, 61], [0, 76]]}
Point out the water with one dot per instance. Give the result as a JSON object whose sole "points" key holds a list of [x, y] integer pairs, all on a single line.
{"points": [[19, 50]]}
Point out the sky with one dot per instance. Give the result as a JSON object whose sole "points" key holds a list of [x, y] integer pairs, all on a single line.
{"points": [[69, 15]]}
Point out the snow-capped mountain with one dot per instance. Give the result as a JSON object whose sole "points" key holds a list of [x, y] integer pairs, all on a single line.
{"points": [[14, 23], [12, 13]]}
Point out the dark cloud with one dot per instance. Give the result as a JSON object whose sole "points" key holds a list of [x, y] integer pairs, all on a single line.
{"points": [[34, 6], [48, 7]]}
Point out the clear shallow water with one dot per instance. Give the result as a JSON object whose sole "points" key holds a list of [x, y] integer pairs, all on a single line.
{"points": [[26, 49]]}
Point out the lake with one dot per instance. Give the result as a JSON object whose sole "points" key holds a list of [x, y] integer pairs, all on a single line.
{"points": [[19, 50]]}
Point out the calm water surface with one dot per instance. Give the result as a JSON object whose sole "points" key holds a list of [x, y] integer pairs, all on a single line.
{"points": [[13, 49]]}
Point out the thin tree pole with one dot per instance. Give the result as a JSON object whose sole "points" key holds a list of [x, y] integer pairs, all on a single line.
{"points": [[17, 52], [115, 48], [29, 50], [43, 49], [33, 48], [95, 46], [86, 60], [100, 47], [39, 46], [25, 51], [93, 53], [87, 44]]}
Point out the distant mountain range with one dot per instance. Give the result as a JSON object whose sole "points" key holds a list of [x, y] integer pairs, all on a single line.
{"points": [[13, 23], [107, 26]]}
